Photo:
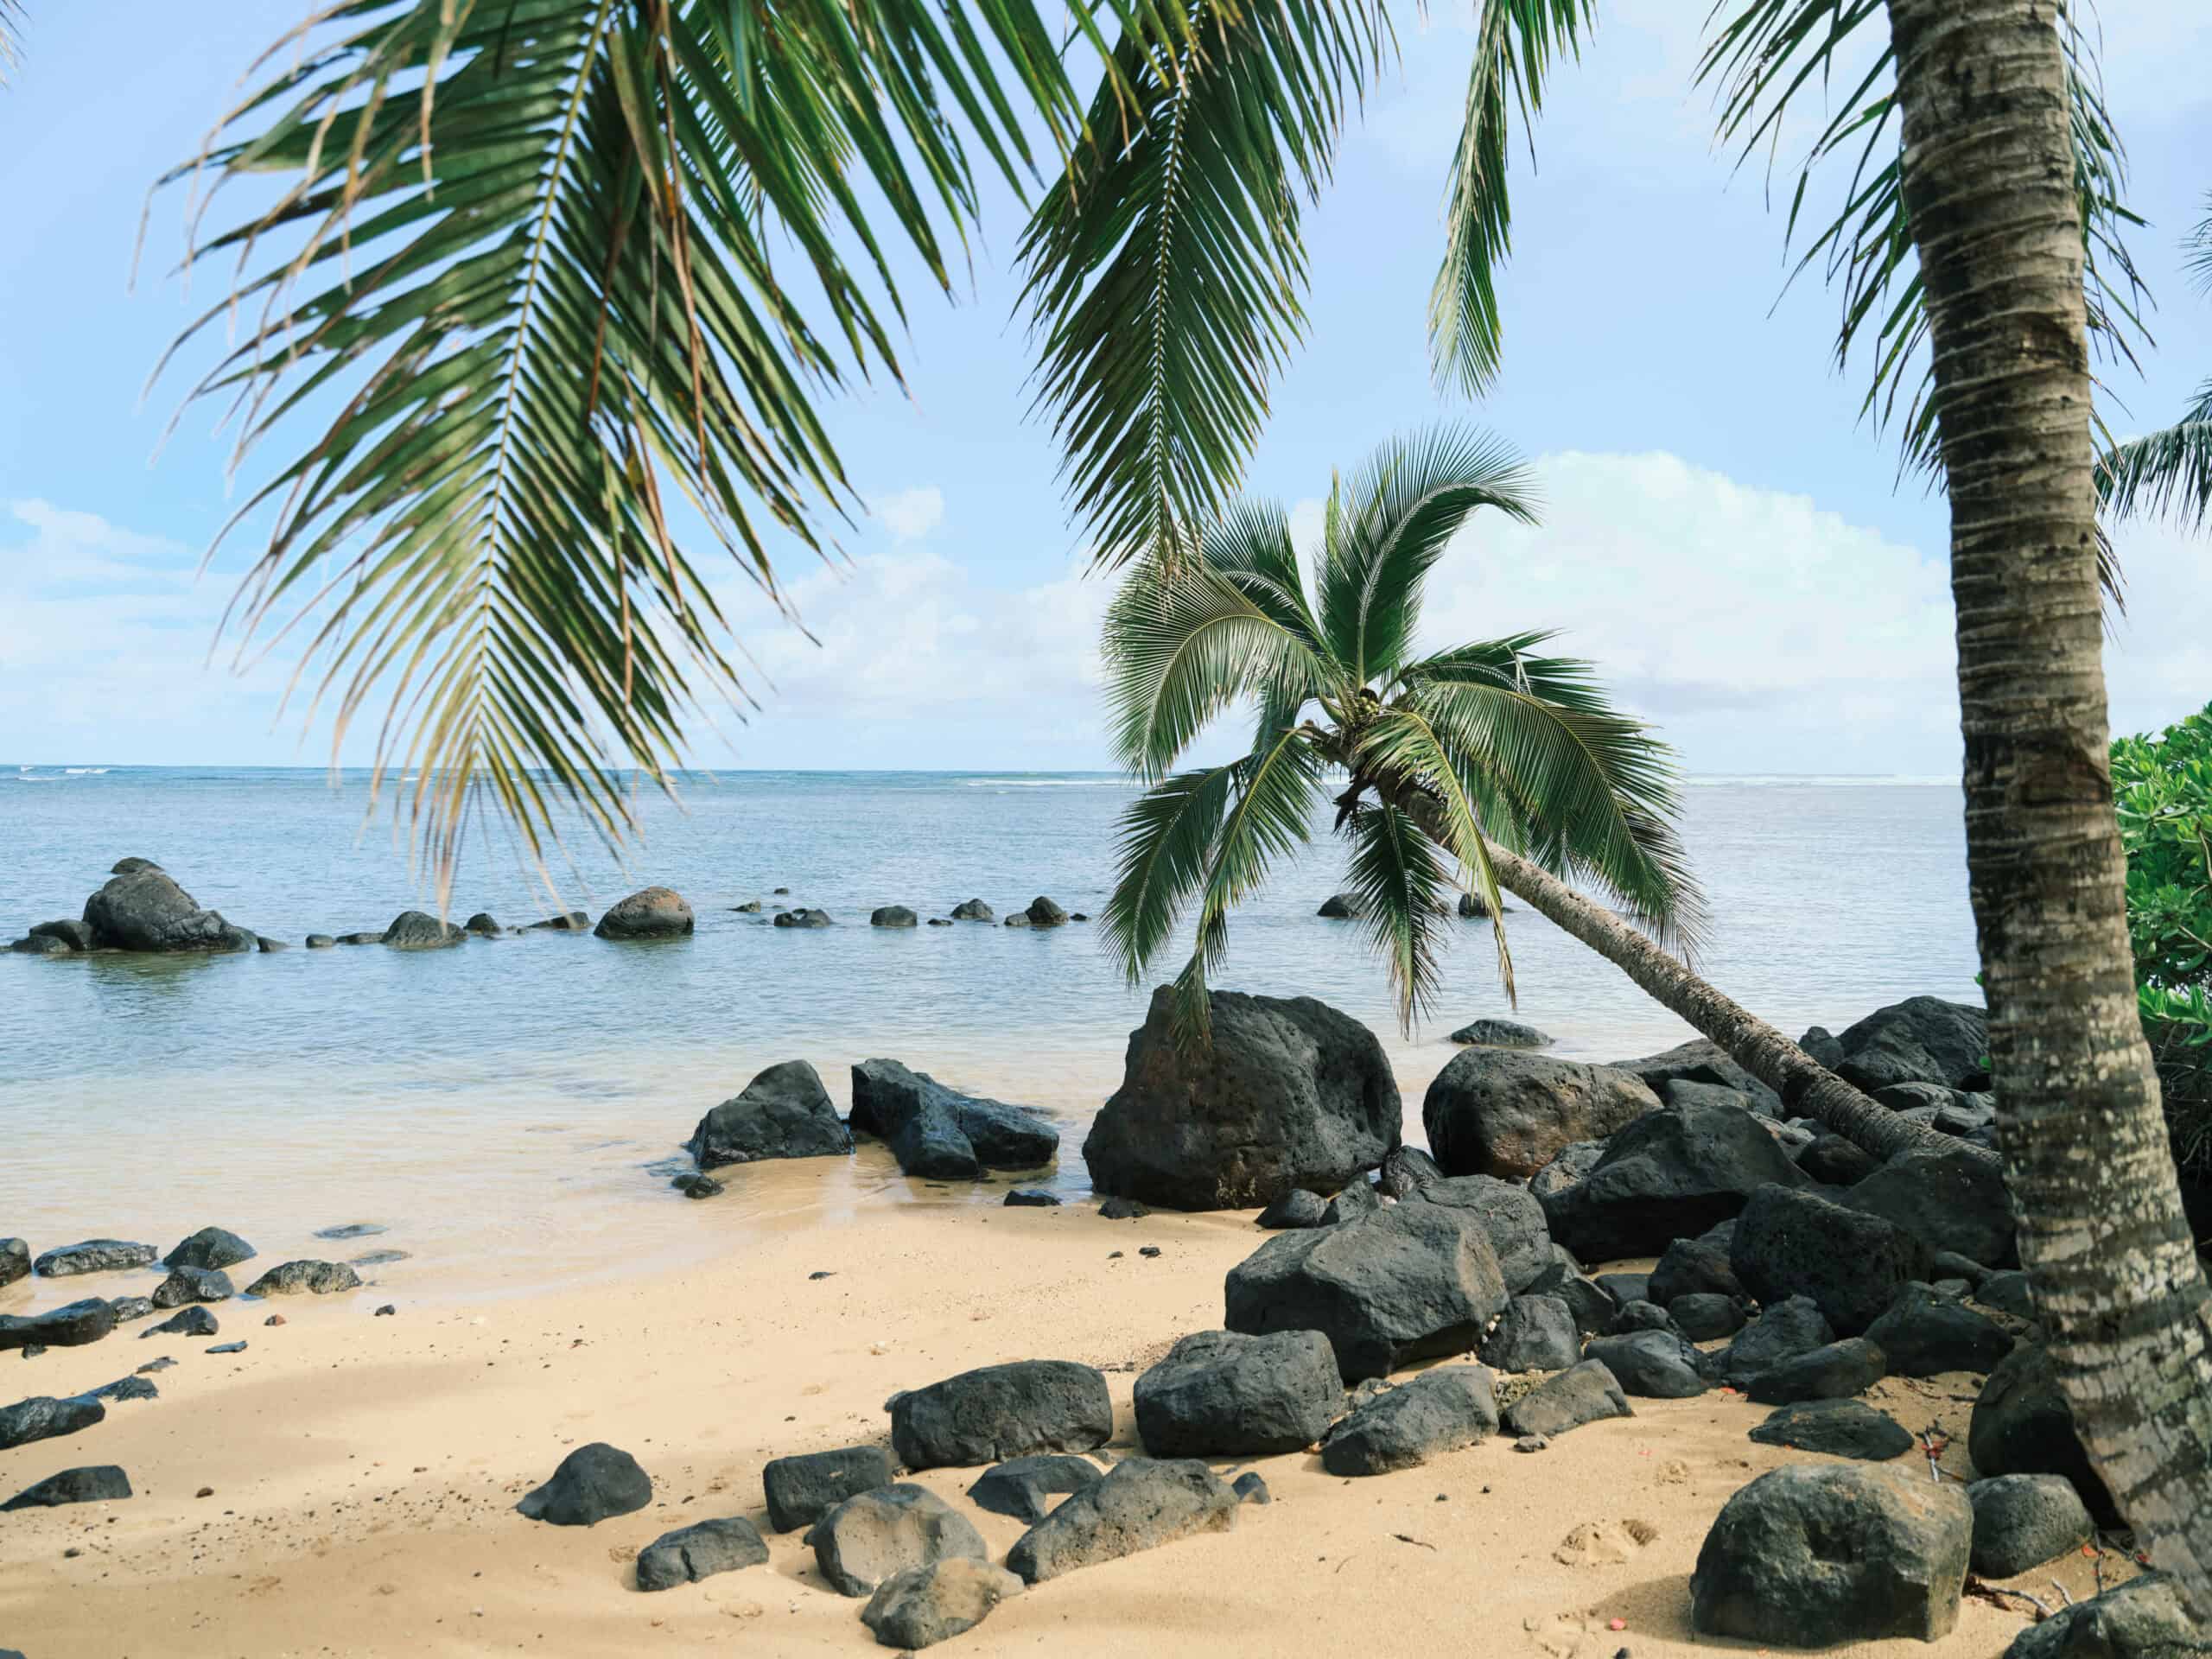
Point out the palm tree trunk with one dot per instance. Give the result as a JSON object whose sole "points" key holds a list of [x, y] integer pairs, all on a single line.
{"points": [[1807, 1087], [1988, 186]]}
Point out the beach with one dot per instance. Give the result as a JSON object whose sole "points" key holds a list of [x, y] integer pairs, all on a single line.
{"points": [[364, 1471]]}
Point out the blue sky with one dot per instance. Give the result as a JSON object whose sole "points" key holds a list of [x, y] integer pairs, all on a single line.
{"points": [[1721, 533]]}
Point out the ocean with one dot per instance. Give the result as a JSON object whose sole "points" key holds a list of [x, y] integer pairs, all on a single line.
{"points": [[509, 1112]]}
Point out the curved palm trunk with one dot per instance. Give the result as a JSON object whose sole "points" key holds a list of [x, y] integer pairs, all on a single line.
{"points": [[1988, 186], [1806, 1086]]}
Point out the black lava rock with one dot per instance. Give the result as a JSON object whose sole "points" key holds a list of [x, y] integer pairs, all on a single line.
{"points": [[1023, 1488], [1850, 1262], [97, 1482], [1142, 1504], [803, 1489], [1218, 1393], [210, 1248], [999, 1411], [1586, 1393], [1842, 1428], [699, 1551], [1438, 1411], [784, 1112], [592, 1484]]}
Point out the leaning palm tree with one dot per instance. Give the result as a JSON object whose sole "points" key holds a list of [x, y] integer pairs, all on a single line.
{"points": [[2168, 474], [1478, 767]]}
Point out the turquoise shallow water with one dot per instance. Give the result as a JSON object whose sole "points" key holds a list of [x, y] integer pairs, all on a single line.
{"points": [[500, 1107]]}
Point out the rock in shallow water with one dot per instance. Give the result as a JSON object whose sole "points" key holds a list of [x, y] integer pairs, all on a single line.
{"points": [[1813, 1554], [803, 1488], [593, 1483], [998, 1412], [144, 910], [1142, 1504], [210, 1248], [93, 1256], [925, 1606], [94, 1484], [784, 1112], [1218, 1393], [874, 1535], [311, 1277], [417, 930], [699, 1551], [648, 913]]}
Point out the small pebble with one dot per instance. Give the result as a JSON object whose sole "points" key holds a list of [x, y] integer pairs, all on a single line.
{"points": [[1148, 1250], [274, 1318], [205, 1492], [386, 1311], [1113, 1255], [1530, 1443], [821, 1275], [33, 1350], [228, 1348]]}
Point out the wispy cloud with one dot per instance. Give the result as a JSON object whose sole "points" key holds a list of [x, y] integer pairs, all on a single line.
{"points": [[911, 514]]}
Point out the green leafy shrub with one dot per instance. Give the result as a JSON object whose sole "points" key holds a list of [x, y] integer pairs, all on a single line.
{"points": [[2163, 792]]}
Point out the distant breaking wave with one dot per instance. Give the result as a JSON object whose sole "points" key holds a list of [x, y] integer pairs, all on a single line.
{"points": [[1815, 779]]}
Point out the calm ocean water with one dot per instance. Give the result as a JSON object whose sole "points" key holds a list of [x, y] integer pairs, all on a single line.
{"points": [[502, 1108]]}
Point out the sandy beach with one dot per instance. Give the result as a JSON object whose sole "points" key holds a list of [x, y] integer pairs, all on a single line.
{"points": [[364, 1470]]}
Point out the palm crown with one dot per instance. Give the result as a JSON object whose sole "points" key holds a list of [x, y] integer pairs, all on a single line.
{"points": [[1441, 753]]}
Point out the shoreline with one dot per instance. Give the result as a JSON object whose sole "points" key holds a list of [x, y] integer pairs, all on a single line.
{"points": [[364, 1470]]}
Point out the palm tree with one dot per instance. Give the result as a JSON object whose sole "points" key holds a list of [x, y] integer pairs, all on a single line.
{"points": [[523, 283], [1482, 766], [2169, 473]]}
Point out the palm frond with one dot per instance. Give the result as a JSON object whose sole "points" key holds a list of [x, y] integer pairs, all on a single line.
{"points": [[2197, 258], [2164, 474], [1402, 748], [1404, 887], [11, 38], [519, 290], [1394, 519], [1187, 639], [1276, 789], [1768, 51], [1166, 272], [1164, 849], [1516, 43]]}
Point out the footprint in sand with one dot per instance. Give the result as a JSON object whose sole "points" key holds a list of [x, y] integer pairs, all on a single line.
{"points": [[1604, 1543], [1563, 1636]]}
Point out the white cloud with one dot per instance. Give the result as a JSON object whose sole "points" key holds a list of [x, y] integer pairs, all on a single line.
{"points": [[911, 514]]}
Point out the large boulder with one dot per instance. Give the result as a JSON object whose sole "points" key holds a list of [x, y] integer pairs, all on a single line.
{"points": [[71, 1325], [891, 916], [1570, 1168], [2022, 1425], [1405, 1172], [1414, 1281], [998, 1412], [1438, 1411], [1143, 1503], [1811, 1555], [1534, 1333], [1584, 1393], [1510, 1215], [592, 1484], [1594, 1307], [1702, 1061], [416, 930], [1852, 1263], [925, 1606], [1783, 1331], [2022, 1521], [871, 1535], [2144, 1619], [691, 1554], [1949, 1197], [1502, 1111], [973, 910], [940, 1133], [1220, 1394], [1290, 1093], [648, 913], [42, 1417], [784, 1112], [1925, 1333], [802, 1487], [1920, 1039], [144, 910], [1670, 1175], [1343, 907], [1044, 913]]}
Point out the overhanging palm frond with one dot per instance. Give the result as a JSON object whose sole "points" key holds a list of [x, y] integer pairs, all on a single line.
{"points": [[1516, 42], [1166, 272], [1764, 53], [1276, 790], [521, 290], [1187, 639], [1164, 845], [11, 38], [1392, 521], [2165, 475], [1405, 890]]}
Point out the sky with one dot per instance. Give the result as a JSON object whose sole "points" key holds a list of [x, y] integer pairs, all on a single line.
{"points": [[1720, 533]]}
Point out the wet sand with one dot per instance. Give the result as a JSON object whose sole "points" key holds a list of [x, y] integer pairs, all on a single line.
{"points": [[364, 1470]]}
